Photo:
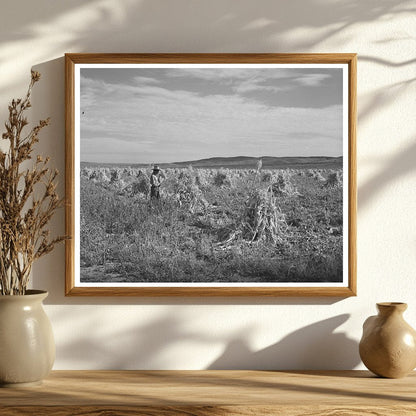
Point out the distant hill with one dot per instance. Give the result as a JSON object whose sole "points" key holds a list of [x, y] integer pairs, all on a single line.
{"points": [[241, 162], [268, 162]]}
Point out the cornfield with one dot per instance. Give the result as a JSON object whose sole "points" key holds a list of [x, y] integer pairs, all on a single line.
{"points": [[211, 225]]}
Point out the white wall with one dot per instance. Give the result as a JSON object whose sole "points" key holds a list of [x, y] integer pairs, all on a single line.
{"points": [[199, 333]]}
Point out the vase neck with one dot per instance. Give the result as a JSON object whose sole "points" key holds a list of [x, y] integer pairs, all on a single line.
{"points": [[390, 308]]}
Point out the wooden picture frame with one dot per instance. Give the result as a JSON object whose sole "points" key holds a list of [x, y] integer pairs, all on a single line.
{"points": [[308, 71]]}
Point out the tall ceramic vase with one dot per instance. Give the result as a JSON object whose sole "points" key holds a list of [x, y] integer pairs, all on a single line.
{"points": [[388, 344], [27, 347]]}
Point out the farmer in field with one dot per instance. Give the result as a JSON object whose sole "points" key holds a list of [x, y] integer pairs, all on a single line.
{"points": [[156, 179]]}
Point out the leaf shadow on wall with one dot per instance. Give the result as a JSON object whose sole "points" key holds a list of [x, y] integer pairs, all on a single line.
{"points": [[313, 347], [396, 167], [139, 347], [51, 28], [242, 26], [402, 163]]}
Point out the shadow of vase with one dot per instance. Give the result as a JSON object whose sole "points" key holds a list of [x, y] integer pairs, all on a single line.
{"points": [[314, 347]]}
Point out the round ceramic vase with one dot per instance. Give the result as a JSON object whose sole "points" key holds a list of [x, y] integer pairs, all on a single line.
{"points": [[388, 345], [27, 347]]}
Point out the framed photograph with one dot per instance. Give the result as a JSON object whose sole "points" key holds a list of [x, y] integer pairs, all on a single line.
{"points": [[211, 174]]}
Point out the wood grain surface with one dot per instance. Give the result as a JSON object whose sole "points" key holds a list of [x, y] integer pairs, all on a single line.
{"points": [[203, 393]]}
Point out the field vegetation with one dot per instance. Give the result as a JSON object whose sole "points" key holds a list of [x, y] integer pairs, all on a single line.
{"points": [[211, 225]]}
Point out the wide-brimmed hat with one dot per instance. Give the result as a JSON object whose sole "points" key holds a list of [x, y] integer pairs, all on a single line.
{"points": [[156, 167]]}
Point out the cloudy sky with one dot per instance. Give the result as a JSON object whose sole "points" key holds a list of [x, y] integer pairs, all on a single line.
{"points": [[143, 115]]}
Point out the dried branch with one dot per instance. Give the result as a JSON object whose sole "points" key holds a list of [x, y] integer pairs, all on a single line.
{"points": [[23, 218]]}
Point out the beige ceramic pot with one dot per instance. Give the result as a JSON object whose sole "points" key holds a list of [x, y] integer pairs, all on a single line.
{"points": [[388, 344], [27, 347]]}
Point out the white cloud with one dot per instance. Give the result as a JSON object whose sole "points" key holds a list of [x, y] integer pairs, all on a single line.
{"points": [[312, 80], [255, 85], [243, 80], [146, 80], [210, 74]]}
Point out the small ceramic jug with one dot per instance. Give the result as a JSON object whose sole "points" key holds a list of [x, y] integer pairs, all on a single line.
{"points": [[388, 344]]}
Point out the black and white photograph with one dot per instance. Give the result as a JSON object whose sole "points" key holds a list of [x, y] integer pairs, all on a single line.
{"points": [[212, 175]]}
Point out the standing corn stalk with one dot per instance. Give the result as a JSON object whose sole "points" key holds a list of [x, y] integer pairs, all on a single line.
{"points": [[333, 180], [282, 184], [263, 220], [28, 200]]}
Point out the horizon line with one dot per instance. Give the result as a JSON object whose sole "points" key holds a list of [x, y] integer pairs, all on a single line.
{"points": [[214, 157]]}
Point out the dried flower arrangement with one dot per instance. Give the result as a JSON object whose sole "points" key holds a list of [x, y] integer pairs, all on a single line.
{"points": [[28, 199]]}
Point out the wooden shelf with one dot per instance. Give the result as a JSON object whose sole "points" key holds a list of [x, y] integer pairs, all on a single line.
{"points": [[203, 393]]}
